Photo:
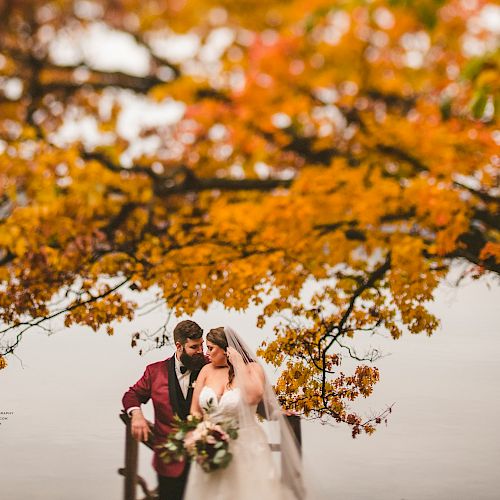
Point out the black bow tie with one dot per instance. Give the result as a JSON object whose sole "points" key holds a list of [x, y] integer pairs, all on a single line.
{"points": [[183, 369]]}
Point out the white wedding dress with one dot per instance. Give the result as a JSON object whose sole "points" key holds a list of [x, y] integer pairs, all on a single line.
{"points": [[252, 474]]}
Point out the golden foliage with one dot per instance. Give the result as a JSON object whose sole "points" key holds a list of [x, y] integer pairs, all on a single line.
{"points": [[353, 145]]}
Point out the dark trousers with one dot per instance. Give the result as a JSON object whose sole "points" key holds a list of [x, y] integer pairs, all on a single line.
{"points": [[172, 488]]}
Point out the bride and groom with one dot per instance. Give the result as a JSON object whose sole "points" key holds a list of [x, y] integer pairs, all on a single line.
{"points": [[227, 383]]}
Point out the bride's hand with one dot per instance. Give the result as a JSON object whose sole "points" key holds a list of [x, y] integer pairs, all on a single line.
{"points": [[233, 356]]}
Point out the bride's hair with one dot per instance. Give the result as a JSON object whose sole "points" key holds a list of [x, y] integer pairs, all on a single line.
{"points": [[218, 337]]}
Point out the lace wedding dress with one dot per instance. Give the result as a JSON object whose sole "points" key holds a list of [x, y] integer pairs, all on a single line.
{"points": [[253, 473]]}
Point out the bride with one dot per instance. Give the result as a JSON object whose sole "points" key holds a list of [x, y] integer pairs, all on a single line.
{"points": [[233, 386]]}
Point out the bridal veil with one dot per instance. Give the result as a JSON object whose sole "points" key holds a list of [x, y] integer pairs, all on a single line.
{"points": [[287, 461]]}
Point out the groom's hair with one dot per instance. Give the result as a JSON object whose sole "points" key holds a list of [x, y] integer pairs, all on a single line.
{"points": [[187, 330]]}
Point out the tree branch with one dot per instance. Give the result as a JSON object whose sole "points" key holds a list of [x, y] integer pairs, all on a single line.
{"points": [[168, 185], [402, 155], [482, 194], [369, 283], [39, 321]]}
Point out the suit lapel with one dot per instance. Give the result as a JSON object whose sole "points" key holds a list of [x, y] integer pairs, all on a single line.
{"points": [[189, 397], [174, 389]]}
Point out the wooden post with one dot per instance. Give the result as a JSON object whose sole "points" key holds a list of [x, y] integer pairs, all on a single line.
{"points": [[288, 471], [294, 421], [132, 479], [131, 459]]}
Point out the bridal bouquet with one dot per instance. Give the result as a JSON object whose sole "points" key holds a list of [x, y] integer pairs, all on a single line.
{"points": [[208, 444], [204, 441]]}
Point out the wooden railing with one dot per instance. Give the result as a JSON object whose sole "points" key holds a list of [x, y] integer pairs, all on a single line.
{"points": [[132, 479]]}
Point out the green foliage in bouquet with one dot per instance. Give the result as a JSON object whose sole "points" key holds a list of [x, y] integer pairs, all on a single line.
{"points": [[173, 449]]}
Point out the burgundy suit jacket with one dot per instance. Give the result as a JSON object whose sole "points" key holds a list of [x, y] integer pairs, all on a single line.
{"points": [[154, 385]]}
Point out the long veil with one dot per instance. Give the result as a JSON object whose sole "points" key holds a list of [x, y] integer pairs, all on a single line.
{"points": [[276, 427]]}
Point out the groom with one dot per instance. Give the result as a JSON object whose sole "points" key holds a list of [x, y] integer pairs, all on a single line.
{"points": [[169, 384]]}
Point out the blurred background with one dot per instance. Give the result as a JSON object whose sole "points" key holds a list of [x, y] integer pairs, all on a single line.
{"points": [[321, 175]]}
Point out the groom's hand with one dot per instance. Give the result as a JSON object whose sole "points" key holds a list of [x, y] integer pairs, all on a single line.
{"points": [[139, 426]]}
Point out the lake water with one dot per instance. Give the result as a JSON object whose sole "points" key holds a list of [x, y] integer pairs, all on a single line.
{"points": [[65, 440]]}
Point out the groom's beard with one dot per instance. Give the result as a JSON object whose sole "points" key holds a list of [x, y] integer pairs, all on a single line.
{"points": [[194, 362]]}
